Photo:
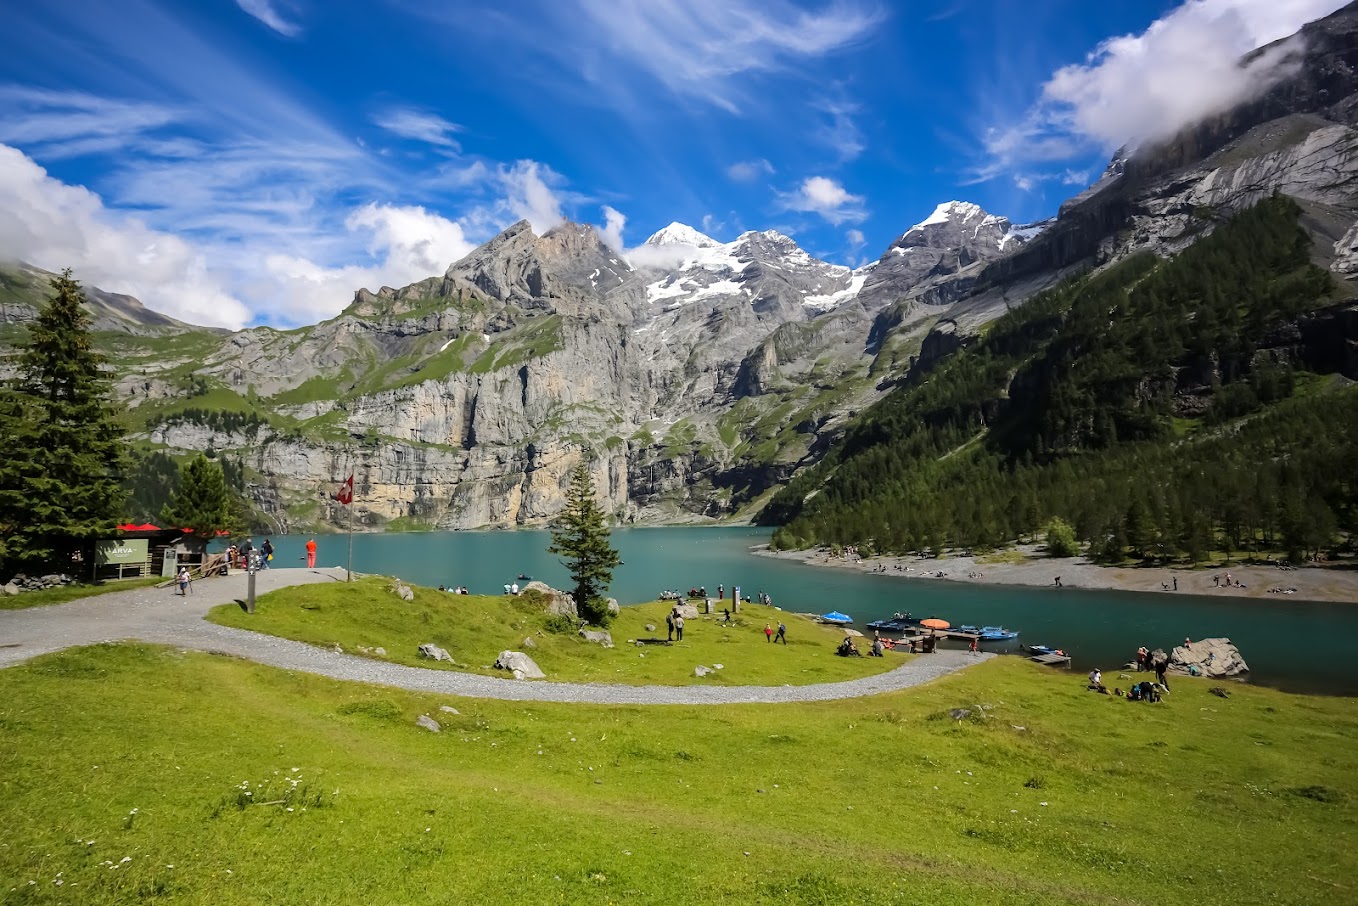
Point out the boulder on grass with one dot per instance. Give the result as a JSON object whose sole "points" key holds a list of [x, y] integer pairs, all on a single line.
{"points": [[520, 664], [614, 607], [434, 652], [598, 636], [402, 591], [558, 602], [687, 611], [700, 670], [529, 643], [9, 589], [1214, 658], [424, 720]]}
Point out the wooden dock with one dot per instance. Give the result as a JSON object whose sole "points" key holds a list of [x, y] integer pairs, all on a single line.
{"points": [[1051, 660]]}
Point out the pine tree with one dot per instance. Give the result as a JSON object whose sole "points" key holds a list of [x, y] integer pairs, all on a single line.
{"points": [[62, 454], [581, 538], [202, 504]]}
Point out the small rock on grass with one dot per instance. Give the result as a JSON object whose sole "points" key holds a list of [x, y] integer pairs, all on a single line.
{"points": [[700, 670], [449, 709], [424, 720]]}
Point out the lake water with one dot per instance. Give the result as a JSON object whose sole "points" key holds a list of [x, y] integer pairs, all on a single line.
{"points": [[1297, 645]]}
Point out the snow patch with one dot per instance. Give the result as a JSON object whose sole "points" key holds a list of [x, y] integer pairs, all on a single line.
{"points": [[950, 210], [834, 300], [447, 344], [681, 234]]}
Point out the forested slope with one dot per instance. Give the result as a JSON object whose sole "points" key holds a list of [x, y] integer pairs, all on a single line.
{"points": [[1163, 408]]}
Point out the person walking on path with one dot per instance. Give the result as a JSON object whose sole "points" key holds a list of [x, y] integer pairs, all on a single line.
{"points": [[266, 553], [768, 633], [1160, 667], [183, 579], [1176, 583], [781, 635], [678, 627], [311, 553], [975, 647]]}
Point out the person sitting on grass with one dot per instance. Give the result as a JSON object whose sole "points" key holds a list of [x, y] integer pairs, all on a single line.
{"points": [[847, 649], [877, 647], [1096, 681]]}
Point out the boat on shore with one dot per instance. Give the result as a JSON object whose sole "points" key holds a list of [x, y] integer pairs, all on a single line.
{"points": [[990, 633], [835, 618], [897, 623], [1043, 649]]}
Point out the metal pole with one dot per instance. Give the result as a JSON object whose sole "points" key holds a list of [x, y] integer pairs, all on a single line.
{"points": [[349, 572], [250, 584]]}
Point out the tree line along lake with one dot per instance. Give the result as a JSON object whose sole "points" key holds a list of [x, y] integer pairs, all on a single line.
{"points": [[1302, 646]]}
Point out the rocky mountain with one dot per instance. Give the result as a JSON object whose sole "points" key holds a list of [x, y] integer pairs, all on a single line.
{"points": [[695, 375], [25, 288]]}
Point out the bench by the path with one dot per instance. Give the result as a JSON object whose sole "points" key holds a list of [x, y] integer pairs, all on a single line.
{"points": [[158, 616]]}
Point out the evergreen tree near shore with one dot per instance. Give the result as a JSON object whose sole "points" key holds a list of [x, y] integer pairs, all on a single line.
{"points": [[202, 502], [581, 538], [62, 452]]}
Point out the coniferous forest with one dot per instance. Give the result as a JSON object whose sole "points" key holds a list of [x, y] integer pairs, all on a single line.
{"points": [[1163, 408]]}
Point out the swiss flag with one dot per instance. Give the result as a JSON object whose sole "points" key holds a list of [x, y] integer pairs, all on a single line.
{"points": [[345, 494]]}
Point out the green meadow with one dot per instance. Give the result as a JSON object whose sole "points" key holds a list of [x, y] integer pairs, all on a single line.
{"points": [[474, 629], [135, 773]]}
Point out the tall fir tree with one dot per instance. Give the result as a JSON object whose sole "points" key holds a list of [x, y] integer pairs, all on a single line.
{"points": [[581, 538], [62, 455], [202, 503]]}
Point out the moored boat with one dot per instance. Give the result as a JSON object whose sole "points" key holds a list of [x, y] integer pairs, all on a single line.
{"points": [[836, 618]]}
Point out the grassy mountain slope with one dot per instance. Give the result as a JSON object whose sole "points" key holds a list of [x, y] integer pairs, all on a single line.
{"points": [[1162, 407]]}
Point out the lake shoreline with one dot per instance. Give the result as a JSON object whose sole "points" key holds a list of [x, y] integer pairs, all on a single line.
{"points": [[1312, 583]]}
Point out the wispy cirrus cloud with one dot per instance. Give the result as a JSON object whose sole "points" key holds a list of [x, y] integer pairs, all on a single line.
{"points": [[701, 50], [826, 198], [1141, 88], [420, 126], [267, 12], [839, 131], [749, 170]]}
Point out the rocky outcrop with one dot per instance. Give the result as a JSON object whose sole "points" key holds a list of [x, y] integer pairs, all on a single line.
{"points": [[520, 664], [1213, 658], [434, 653]]}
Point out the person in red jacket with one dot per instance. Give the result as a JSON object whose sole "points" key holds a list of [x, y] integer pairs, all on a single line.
{"points": [[311, 553]]}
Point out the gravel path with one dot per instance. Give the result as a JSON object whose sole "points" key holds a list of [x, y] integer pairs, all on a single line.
{"points": [[159, 616]]}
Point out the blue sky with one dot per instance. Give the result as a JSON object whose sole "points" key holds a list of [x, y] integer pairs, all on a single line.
{"points": [[242, 162]]}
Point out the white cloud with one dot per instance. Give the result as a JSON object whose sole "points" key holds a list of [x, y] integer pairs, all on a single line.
{"points": [[421, 126], [412, 244], [856, 239], [1141, 88], [611, 233], [1023, 183], [529, 195], [826, 197], [697, 47], [264, 11], [839, 131], [711, 225], [53, 225], [749, 170]]}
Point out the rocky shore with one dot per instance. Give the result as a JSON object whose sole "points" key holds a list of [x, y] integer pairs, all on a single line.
{"points": [[1306, 583]]}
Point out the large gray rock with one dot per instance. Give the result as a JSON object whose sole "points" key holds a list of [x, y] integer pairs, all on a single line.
{"points": [[1213, 658], [520, 664], [9, 589], [434, 652], [700, 670], [424, 720], [687, 611], [402, 591], [558, 602], [597, 636], [614, 607]]}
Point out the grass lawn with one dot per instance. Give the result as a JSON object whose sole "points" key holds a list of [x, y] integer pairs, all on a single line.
{"points": [[63, 593], [475, 629], [133, 773]]}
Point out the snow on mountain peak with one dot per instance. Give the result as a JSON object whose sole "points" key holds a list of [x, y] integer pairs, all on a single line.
{"points": [[951, 210], [681, 234]]}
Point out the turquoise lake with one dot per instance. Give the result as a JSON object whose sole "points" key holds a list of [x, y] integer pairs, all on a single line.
{"points": [[1297, 645]]}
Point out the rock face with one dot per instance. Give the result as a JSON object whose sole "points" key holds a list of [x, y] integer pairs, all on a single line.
{"points": [[520, 664], [1213, 658]]}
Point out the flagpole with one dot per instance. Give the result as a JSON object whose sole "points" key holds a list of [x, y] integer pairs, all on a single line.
{"points": [[349, 573]]}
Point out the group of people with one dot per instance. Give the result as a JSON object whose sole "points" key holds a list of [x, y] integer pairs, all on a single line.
{"points": [[779, 636], [511, 588], [246, 556], [456, 589], [674, 622], [1228, 583]]}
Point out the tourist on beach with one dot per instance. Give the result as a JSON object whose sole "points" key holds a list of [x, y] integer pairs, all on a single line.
{"points": [[1176, 583], [1058, 581], [781, 634], [975, 647], [768, 632], [310, 553]]}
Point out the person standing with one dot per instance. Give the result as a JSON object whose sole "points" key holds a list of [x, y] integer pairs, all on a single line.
{"points": [[1160, 667], [721, 592], [975, 647], [266, 553], [678, 627], [669, 626], [183, 579], [781, 635], [768, 633], [311, 553]]}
